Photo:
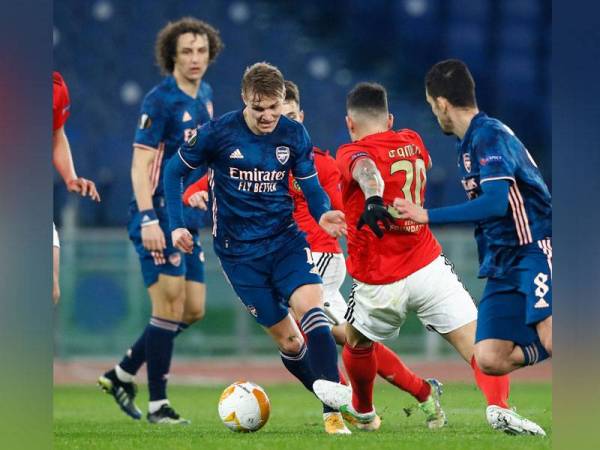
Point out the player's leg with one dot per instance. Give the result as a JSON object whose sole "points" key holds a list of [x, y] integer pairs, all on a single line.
{"points": [[55, 265], [544, 331], [251, 283], [195, 288]]}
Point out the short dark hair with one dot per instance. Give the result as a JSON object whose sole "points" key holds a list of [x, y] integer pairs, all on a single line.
{"points": [[452, 80], [263, 79], [292, 93], [370, 98], [165, 49]]}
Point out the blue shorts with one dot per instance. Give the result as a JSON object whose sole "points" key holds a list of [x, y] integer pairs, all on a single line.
{"points": [[177, 263], [265, 285], [514, 304]]}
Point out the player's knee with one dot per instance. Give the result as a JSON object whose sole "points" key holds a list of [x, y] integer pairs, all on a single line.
{"points": [[193, 315], [291, 346], [489, 362], [547, 343]]}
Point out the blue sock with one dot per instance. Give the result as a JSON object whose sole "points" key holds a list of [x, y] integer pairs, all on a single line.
{"points": [[136, 355], [534, 352], [322, 350], [181, 327], [299, 366], [159, 349]]}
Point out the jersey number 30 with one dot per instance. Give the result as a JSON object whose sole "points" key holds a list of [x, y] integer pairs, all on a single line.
{"points": [[410, 169]]}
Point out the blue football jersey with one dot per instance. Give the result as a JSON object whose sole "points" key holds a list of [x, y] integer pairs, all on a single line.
{"points": [[248, 178], [168, 117], [491, 151]]}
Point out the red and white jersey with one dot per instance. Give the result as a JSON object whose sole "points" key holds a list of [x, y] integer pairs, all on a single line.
{"points": [[60, 101], [402, 160], [329, 177]]}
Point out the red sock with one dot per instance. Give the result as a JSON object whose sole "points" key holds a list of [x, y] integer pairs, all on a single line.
{"points": [[392, 369], [343, 379], [495, 388], [361, 366]]}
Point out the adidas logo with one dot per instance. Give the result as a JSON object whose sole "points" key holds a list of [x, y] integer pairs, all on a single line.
{"points": [[541, 303], [186, 116], [236, 154], [146, 218]]}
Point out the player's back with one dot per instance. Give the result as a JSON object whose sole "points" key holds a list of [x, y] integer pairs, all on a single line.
{"points": [[402, 160]]}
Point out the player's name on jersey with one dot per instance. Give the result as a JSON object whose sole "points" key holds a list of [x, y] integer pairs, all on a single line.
{"points": [[257, 180], [404, 152]]}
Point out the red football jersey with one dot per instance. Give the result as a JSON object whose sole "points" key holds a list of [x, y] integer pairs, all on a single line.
{"points": [[60, 101], [329, 177], [402, 160]]}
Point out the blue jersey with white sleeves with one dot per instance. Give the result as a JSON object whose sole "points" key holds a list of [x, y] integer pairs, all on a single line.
{"points": [[168, 117], [491, 151], [252, 207]]}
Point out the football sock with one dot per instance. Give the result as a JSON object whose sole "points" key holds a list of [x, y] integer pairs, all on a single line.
{"points": [[534, 353], [361, 365], [495, 388], [322, 350], [159, 349], [299, 366], [343, 379], [181, 327], [135, 356], [391, 368]]}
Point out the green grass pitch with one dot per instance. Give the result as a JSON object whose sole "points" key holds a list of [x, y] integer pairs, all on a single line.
{"points": [[87, 419]]}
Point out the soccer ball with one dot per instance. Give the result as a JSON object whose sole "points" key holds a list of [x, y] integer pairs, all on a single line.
{"points": [[244, 407]]}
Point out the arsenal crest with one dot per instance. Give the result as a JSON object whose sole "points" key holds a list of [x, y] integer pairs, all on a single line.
{"points": [[283, 154], [175, 259], [467, 162]]}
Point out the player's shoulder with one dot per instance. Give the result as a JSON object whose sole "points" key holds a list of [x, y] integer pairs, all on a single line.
{"points": [[161, 93], [287, 125], [409, 134], [206, 90]]}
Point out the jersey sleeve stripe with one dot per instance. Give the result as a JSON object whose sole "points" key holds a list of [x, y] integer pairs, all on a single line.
{"points": [[156, 165], [306, 178], [144, 147], [184, 161], [483, 180], [521, 204]]}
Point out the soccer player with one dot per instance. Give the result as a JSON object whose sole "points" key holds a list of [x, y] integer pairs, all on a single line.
{"points": [[170, 112], [399, 270], [265, 257], [63, 162], [511, 207]]}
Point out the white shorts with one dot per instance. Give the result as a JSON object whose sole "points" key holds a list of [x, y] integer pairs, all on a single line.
{"points": [[434, 293], [332, 269], [55, 241]]}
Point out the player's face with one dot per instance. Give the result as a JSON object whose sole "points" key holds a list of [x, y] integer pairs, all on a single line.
{"points": [[191, 59], [292, 110], [262, 113], [440, 111]]}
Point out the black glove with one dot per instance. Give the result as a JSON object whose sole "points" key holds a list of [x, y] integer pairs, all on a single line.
{"points": [[375, 211]]}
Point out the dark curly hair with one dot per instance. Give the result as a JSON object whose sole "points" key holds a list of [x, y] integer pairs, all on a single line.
{"points": [[165, 49]]}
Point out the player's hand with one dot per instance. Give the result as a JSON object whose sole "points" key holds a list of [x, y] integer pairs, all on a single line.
{"points": [[154, 241], [334, 223], [183, 240], [375, 212], [199, 200], [409, 210], [84, 187]]}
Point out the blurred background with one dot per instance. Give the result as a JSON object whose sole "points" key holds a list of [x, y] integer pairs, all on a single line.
{"points": [[104, 50]]}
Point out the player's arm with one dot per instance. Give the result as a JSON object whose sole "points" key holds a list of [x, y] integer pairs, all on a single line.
{"points": [[196, 194], [190, 156], [63, 162], [366, 174], [492, 203]]}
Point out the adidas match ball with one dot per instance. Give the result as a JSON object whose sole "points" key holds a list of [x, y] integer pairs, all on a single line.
{"points": [[244, 407]]}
